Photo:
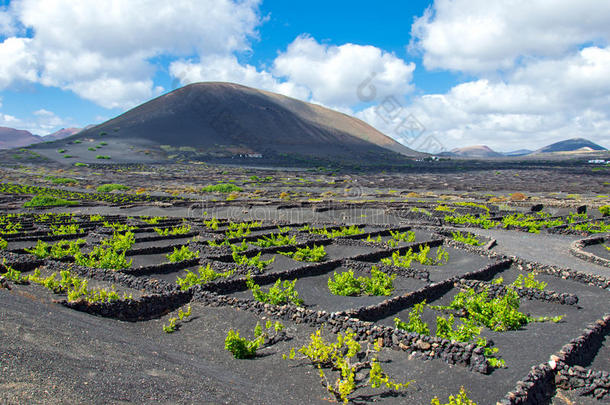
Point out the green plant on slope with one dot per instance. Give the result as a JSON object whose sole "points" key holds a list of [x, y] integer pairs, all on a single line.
{"points": [[467, 238], [307, 254], [378, 239], [498, 314], [152, 220], [239, 230], [241, 247], [254, 261], [76, 288], [119, 227], [10, 228], [346, 284], [280, 293], [106, 188], [213, 243], [604, 210], [60, 180], [242, 348], [47, 201], [421, 256], [275, 240], [222, 188], [63, 248], [483, 221], [3, 243], [408, 236], [529, 281], [184, 253], [173, 321], [206, 274], [468, 331], [65, 229], [591, 227], [12, 274], [176, 230], [415, 323], [574, 217], [212, 224], [345, 357], [103, 258], [334, 233], [460, 399], [531, 222]]}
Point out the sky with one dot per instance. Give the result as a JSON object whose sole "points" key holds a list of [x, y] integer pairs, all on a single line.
{"points": [[435, 75]]}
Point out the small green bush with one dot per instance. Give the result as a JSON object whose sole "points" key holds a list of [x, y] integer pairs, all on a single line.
{"points": [[307, 254], [605, 210], [252, 261], [346, 284], [184, 253], [106, 188], [467, 238], [61, 180], [48, 201], [205, 275], [103, 157], [221, 188], [280, 293], [460, 399], [421, 256]]}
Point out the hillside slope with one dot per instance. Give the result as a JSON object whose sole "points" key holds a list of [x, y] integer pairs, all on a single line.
{"points": [[571, 145], [225, 119]]}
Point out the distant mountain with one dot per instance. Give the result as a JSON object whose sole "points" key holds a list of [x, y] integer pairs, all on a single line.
{"points": [[15, 138], [61, 134], [227, 120], [572, 145], [520, 152], [476, 151]]}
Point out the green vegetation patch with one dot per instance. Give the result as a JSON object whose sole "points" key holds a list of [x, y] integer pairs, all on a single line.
{"points": [[48, 201], [221, 188], [106, 188], [346, 284]]}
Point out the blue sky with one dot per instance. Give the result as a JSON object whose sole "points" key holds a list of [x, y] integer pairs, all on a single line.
{"points": [[446, 73]]}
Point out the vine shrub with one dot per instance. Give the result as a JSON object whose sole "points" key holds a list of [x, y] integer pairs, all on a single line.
{"points": [[460, 399], [242, 348], [254, 261], [280, 293], [206, 274], [184, 253], [173, 321], [467, 238], [307, 254], [346, 284], [442, 257], [345, 359]]}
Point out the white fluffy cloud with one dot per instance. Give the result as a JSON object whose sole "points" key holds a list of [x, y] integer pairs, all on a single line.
{"points": [[228, 69], [42, 122], [333, 74], [540, 103], [541, 72], [101, 49], [482, 36], [308, 70]]}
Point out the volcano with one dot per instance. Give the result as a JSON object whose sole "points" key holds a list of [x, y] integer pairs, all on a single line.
{"points": [[226, 119]]}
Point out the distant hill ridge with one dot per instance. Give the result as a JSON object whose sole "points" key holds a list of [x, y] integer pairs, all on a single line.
{"points": [[571, 145], [16, 138]]}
